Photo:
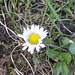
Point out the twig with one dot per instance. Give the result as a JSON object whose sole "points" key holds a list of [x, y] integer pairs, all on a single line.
{"points": [[50, 66], [6, 26], [43, 1], [16, 70], [10, 31], [66, 28], [28, 63]]}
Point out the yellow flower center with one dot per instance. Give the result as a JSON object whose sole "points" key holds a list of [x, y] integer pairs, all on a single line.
{"points": [[34, 38]]}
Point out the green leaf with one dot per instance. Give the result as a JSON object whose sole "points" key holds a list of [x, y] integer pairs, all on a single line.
{"points": [[47, 41], [63, 40], [35, 64], [73, 64], [52, 54], [66, 57], [1, 1], [60, 68], [73, 57], [70, 71], [65, 70], [72, 48], [57, 69]]}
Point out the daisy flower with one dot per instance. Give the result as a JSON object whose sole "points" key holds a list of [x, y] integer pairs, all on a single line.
{"points": [[33, 38]]}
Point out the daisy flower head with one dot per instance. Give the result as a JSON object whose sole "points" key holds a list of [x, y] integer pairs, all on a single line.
{"points": [[33, 38]]}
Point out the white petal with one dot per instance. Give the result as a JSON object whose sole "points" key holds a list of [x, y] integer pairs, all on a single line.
{"points": [[20, 35], [36, 27], [32, 27], [43, 34], [26, 35], [37, 48], [25, 38], [31, 49], [40, 41], [26, 44], [42, 37], [42, 45], [24, 29], [41, 29], [32, 52], [28, 29], [24, 48]]}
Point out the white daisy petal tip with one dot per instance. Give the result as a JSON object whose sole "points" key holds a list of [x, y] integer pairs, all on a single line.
{"points": [[34, 38], [38, 48], [32, 52], [24, 29], [42, 45], [20, 35], [24, 48]]}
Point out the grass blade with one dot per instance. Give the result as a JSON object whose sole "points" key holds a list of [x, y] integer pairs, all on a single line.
{"points": [[14, 18], [48, 2], [70, 3], [6, 5], [55, 24]]}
